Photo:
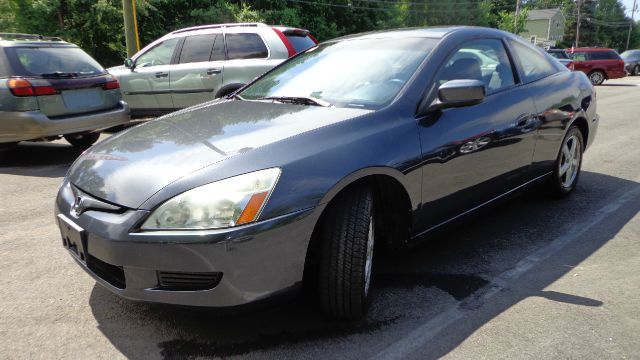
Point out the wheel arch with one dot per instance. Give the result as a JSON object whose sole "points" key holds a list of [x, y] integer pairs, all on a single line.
{"points": [[583, 125], [603, 71], [390, 188], [228, 89]]}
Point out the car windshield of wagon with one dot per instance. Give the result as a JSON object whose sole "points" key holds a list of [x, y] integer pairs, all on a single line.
{"points": [[51, 61], [364, 73]]}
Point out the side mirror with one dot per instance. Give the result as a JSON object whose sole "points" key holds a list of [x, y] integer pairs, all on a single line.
{"points": [[458, 93], [129, 63]]}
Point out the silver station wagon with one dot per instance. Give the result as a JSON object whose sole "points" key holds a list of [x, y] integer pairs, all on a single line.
{"points": [[49, 88], [190, 66]]}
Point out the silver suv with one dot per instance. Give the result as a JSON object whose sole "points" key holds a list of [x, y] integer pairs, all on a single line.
{"points": [[49, 87], [197, 64]]}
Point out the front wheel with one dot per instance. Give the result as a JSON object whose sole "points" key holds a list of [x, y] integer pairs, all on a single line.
{"points": [[568, 163], [82, 140], [346, 263], [636, 70], [596, 77]]}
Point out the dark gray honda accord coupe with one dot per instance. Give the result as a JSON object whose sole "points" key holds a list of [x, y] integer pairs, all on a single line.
{"points": [[358, 145]]}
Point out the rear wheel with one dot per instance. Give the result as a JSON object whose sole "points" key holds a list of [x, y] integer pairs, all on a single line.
{"points": [[636, 70], [82, 140], [596, 77], [346, 258], [567, 167]]}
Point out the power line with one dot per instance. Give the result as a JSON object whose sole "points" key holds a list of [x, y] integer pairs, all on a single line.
{"points": [[358, 7]]}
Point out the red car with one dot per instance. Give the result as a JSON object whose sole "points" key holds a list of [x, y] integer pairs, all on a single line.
{"points": [[599, 64]]}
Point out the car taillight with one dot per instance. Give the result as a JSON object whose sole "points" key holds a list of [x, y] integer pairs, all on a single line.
{"points": [[571, 66], [24, 88], [111, 84], [290, 49]]}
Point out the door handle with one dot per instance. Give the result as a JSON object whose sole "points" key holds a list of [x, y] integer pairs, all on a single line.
{"points": [[213, 71], [523, 121], [161, 74]]}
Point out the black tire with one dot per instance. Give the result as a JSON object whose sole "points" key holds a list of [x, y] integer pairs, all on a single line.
{"points": [[559, 185], [596, 77], [636, 70], [342, 276], [82, 140], [7, 146]]}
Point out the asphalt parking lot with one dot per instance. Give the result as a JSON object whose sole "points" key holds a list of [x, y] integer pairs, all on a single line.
{"points": [[531, 278]]}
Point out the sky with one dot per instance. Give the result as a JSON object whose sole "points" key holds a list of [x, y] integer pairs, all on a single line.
{"points": [[628, 4]]}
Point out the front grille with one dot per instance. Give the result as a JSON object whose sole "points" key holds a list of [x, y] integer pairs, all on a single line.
{"points": [[188, 281], [112, 274]]}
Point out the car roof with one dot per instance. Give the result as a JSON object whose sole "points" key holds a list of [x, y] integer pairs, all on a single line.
{"points": [[18, 39], [436, 32], [587, 49]]}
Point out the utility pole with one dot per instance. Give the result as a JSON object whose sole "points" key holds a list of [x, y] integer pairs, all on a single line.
{"points": [[515, 20], [633, 11], [578, 6], [130, 27]]}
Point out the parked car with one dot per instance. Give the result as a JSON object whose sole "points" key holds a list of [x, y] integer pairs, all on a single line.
{"points": [[197, 64], [561, 56], [49, 88], [303, 175], [599, 64], [631, 61]]}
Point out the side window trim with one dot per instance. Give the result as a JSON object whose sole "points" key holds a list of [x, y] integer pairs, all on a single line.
{"points": [[218, 37], [516, 75], [515, 67], [175, 58]]}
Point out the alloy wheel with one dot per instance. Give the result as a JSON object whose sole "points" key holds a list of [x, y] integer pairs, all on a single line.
{"points": [[569, 164], [596, 78]]}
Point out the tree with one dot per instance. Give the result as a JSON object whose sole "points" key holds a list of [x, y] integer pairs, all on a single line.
{"points": [[509, 21]]}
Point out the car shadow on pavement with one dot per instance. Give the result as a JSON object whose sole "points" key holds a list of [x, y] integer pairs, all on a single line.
{"points": [[411, 288], [38, 159]]}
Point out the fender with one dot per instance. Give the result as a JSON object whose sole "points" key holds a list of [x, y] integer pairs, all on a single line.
{"points": [[415, 199], [228, 88]]}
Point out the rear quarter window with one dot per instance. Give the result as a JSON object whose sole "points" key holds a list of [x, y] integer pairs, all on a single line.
{"points": [[246, 46], [534, 64], [300, 43]]}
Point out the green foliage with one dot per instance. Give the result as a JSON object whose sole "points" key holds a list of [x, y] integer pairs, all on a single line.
{"points": [[97, 26], [509, 21]]}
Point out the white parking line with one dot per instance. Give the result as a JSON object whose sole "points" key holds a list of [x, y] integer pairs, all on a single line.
{"points": [[420, 336]]}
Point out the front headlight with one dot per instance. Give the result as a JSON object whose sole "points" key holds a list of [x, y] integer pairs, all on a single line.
{"points": [[225, 203]]}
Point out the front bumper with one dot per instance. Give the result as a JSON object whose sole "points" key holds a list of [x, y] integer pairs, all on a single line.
{"points": [[255, 261], [29, 125]]}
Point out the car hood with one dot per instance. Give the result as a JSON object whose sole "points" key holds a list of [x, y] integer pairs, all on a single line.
{"points": [[130, 167]]}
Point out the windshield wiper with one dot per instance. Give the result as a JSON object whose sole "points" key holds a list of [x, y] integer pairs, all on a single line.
{"points": [[306, 100], [60, 74]]}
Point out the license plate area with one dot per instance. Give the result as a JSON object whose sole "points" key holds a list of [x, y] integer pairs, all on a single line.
{"points": [[73, 238], [81, 99]]}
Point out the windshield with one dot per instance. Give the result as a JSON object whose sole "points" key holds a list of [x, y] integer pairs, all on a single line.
{"points": [[52, 61], [630, 54], [365, 73]]}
